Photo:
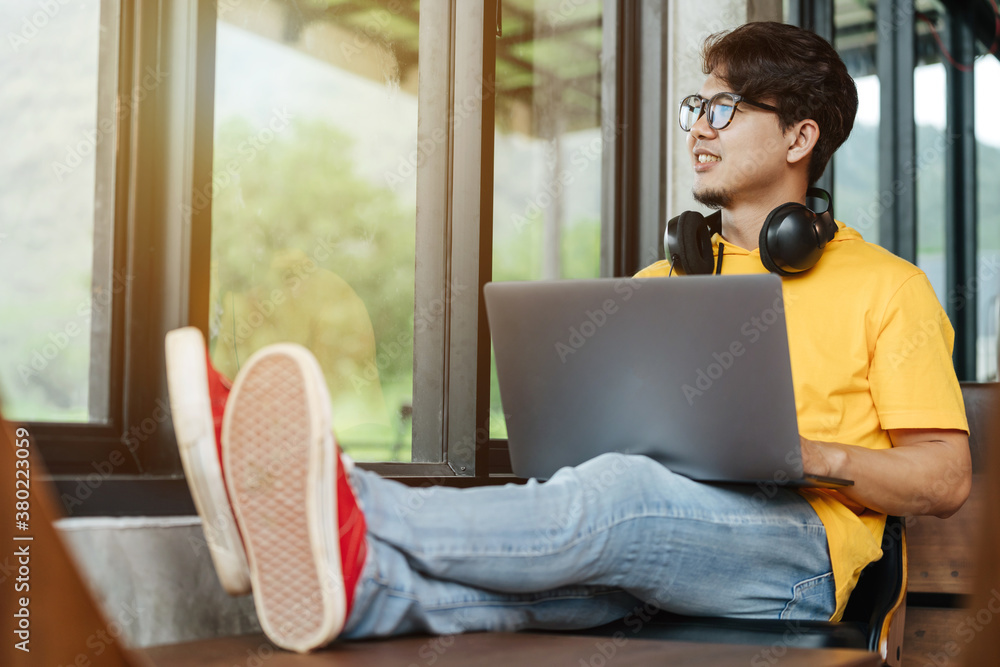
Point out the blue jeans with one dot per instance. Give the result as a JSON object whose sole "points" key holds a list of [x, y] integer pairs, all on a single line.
{"points": [[613, 537]]}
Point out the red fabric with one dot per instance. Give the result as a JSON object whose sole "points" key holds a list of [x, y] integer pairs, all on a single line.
{"points": [[219, 387], [350, 519], [218, 393], [353, 529]]}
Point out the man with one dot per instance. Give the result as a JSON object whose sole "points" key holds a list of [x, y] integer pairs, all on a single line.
{"points": [[336, 551]]}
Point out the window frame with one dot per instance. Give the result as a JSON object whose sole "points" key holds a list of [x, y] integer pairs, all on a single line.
{"points": [[895, 63], [164, 152], [634, 124], [123, 467], [68, 446]]}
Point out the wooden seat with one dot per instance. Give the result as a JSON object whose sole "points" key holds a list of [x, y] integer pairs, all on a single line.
{"points": [[489, 649], [942, 552]]}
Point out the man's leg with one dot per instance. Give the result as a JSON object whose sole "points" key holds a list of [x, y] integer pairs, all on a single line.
{"points": [[396, 599], [616, 522], [566, 553]]}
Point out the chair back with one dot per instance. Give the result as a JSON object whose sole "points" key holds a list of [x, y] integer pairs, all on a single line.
{"points": [[879, 599]]}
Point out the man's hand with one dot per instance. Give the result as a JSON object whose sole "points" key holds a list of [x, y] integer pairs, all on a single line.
{"points": [[927, 471], [820, 458]]}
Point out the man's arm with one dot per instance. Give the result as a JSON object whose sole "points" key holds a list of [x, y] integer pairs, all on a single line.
{"points": [[927, 471]]}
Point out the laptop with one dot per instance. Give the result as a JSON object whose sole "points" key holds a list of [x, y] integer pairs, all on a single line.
{"points": [[693, 372]]}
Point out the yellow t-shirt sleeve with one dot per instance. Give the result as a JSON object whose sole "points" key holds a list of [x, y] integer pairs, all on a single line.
{"points": [[911, 375]]}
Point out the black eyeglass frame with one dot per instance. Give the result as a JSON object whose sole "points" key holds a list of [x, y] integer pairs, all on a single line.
{"points": [[707, 104]]}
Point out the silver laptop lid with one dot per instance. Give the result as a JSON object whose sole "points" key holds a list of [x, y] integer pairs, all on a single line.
{"points": [[692, 371]]}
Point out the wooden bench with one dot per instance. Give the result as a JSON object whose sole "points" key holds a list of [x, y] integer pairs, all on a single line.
{"points": [[940, 618]]}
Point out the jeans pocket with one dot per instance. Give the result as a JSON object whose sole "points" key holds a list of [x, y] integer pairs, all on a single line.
{"points": [[813, 599]]}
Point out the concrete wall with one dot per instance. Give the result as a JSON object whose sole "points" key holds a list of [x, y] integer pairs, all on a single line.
{"points": [[154, 579], [688, 24]]}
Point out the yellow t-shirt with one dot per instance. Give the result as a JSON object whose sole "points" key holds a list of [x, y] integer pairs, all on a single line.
{"points": [[870, 350]]}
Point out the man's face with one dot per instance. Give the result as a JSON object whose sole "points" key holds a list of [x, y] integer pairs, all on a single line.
{"points": [[739, 162]]}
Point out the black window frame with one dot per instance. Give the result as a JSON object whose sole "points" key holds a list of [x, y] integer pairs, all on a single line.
{"points": [[130, 465], [895, 63], [162, 243]]}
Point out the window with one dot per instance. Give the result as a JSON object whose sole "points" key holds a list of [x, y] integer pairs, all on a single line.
{"points": [[548, 149], [934, 73], [294, 171], [855, 165], [57, 281], [928, 170], [313, 201], [987, 87]]}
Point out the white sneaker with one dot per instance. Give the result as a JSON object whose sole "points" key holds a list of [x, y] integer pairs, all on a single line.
{"points": [[301, 524], [198, 395]]}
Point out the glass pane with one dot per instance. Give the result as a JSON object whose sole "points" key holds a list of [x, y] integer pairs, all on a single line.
{"points": [[930, 114], [987, 84], [547, 169], [855, 165], [52, 134], [314, 202]]}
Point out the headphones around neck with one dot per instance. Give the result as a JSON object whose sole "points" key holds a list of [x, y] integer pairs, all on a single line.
{"points": [[791, 240]]}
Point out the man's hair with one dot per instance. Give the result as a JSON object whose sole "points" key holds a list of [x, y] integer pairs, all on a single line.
{"points": [[795, 70]]}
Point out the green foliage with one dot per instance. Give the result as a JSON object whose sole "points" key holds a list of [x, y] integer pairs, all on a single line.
{"points": [[305, 250], [520, 258]]}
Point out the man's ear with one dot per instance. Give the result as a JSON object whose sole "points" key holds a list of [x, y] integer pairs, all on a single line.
{"points": [[802, 139]]}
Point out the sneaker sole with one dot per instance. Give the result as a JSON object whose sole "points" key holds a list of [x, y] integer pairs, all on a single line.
{"points": [[276, 444], [194, 427]]}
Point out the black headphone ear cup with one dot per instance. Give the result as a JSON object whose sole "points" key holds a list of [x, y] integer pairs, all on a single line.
{"points": [[787, 242], [690, 241], [763, 240], [820, 202]]}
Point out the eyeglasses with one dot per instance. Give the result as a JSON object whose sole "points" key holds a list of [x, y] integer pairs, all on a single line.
{"points": [[721, 109]]}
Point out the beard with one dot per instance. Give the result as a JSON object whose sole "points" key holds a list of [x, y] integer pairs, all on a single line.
{"points": [[714, 199]]}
